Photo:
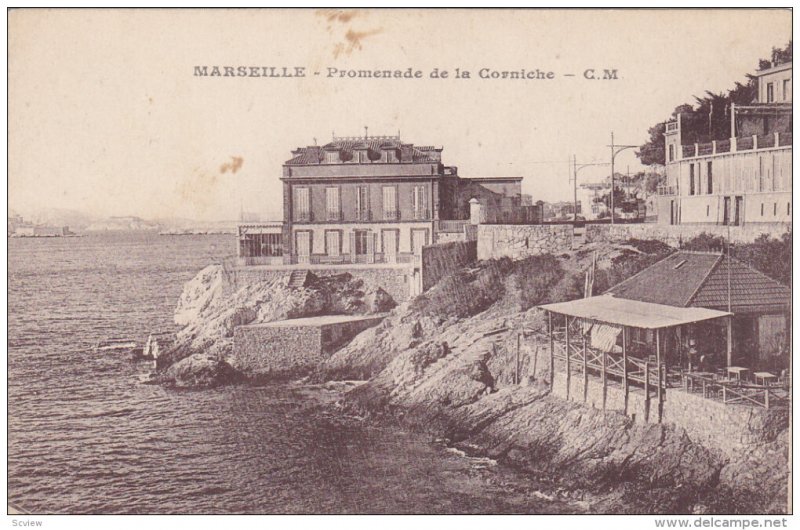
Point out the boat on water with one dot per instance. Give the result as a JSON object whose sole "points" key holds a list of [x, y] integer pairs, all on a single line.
{"points": [[116, 344]]}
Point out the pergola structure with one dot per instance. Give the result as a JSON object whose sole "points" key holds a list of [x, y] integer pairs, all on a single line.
{"points": [[597, 322]]}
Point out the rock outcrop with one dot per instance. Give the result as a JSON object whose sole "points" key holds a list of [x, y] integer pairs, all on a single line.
{"points": [[213, 303], [199, 371], [457, 376]]}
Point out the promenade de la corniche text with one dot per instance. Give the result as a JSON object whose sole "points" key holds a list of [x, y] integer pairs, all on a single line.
{"points": [[485, 73]]}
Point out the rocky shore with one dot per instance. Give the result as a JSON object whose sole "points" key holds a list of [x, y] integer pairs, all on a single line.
{"points": [[450, 363], [214, 302]]}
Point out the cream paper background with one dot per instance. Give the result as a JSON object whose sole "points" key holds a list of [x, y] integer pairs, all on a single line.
{"points": [[106, 117]]}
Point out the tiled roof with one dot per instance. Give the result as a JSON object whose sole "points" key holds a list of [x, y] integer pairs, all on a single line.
{"points": [[671, 281], [699, 279], [750, 289], [316, 154]]}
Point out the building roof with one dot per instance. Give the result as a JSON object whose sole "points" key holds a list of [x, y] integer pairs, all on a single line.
{"points": [[494, 179], [322, 320], [700, 279], [314, 154], [773, 69], [633, 313]]}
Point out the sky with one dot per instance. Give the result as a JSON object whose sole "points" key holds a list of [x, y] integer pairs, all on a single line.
{"points": [[106, 116]]}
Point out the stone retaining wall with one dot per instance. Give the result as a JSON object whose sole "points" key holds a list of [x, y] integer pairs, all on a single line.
{"points": [[729, 428], [674, 235], [519, 241]]}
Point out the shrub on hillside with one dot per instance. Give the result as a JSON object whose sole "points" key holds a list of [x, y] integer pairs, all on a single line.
{"points": [[629, 263], [535, 277], [770, 255], [465, 292]]}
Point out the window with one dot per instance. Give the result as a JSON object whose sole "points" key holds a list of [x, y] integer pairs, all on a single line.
{"points": [[770, 93], [671, 153], [708, 210], [775, 209], [360, 241], [302, 204], [691, 179], [390, 203], [787, 89], [362, 203], [260, 245], [710, 180], [333, 243], [418, 202], [762, 209], [333, 205]]}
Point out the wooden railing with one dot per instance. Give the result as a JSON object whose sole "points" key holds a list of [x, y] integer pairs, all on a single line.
{"points": [[638, 370], [732, 392]]}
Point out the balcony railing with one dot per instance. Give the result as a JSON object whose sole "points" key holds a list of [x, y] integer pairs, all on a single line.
{"points": [[666, 190], [391, 215], [744, 143], [765, 141], [401, 258], [452, 227]]}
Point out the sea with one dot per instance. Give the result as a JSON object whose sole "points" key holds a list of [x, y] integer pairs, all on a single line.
{"points": [[86, 436]]}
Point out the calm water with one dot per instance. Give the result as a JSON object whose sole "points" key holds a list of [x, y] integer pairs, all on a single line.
{"points": [[86, 437]]}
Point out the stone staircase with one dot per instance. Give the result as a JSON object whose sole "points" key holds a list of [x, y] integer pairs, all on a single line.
{"points": [[298, 279]]}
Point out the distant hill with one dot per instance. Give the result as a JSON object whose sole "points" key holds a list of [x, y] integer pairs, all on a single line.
{"points": [[122, 223], [78, 221], [74, 219]]}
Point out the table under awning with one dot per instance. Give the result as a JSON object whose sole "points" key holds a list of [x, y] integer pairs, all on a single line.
{"points": [[632, 313]]}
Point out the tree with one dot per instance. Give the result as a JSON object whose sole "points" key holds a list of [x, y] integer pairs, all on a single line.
{"points": [[709, 118], [619, 198]]}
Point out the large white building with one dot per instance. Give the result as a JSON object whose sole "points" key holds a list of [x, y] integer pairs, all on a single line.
{"points": [[744, 179]]}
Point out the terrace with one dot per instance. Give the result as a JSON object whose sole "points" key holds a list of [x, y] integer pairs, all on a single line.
{"points": [[630, 345]]}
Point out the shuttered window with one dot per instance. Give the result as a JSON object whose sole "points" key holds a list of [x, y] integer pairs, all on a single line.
{"points": [[333, 204], [362, 204], [419, 203], [302, 204], [390, 203]]}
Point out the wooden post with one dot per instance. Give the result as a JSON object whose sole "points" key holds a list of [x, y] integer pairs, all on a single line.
{"points": [[660, 391], [585, 372], [766, 397], [729, 346], [566, 339], [646, 391], [603, 372], [535, 359], [625, 366], [552, 353], [516, 369]]}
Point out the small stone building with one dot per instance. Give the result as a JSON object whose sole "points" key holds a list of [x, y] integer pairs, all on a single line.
{"points": [[289, 347]]}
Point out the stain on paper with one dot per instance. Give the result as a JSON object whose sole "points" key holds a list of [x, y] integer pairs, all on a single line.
{"points": [[233, 166]]}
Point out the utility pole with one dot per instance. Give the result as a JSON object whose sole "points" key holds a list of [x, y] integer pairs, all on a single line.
{"points": [[574, 188], [615, 150]]}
